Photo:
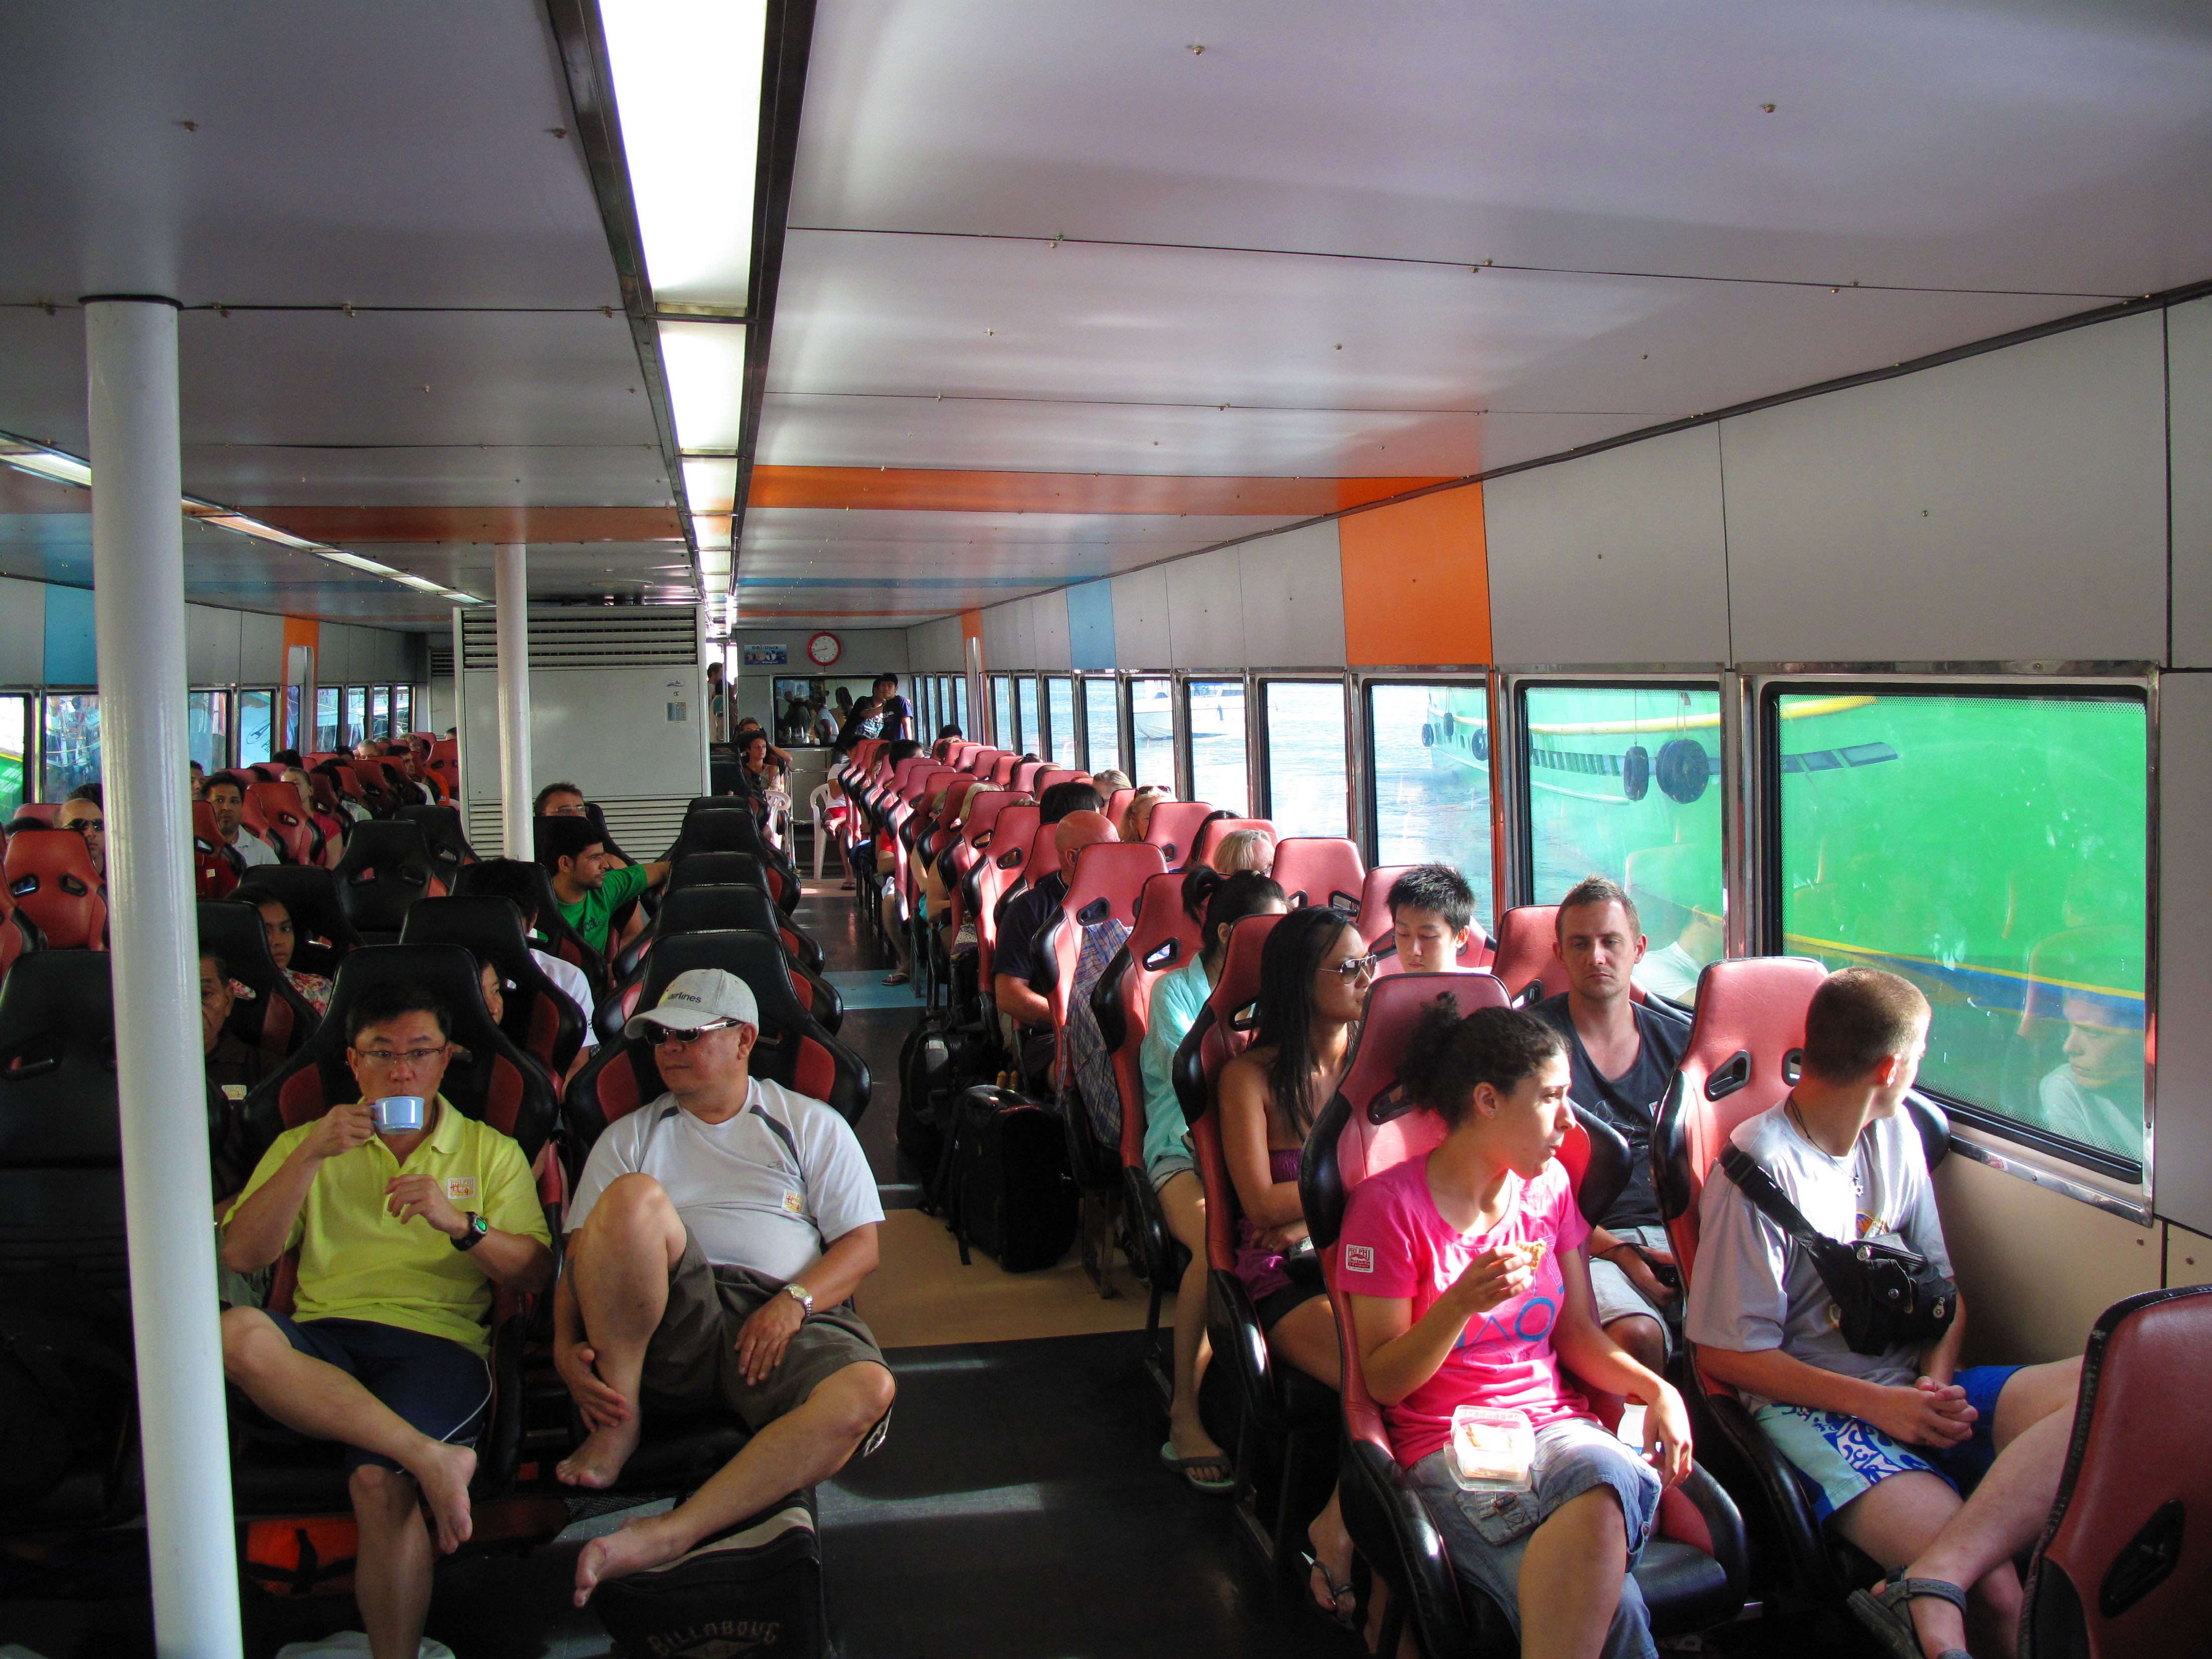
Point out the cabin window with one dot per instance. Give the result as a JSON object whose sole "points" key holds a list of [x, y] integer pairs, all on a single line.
{"points": [[1992, 849], [1215, 712], [380, 711], [1101, 725], [356, 717], [960, 704], [1428, 750], [257, 726], [1151, 731], [1624, 781], [1060, 719], [207, 730], [1003, 733], [14, 751], [1032, 729], [403, 710], [1305, 748], [326, 720]]}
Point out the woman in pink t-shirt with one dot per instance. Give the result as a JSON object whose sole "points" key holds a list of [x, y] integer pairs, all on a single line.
{"points": [[1469, 1285]]}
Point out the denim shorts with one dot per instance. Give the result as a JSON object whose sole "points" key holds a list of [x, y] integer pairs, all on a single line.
{"points": [[1836, 1458], [1486, 1534]]}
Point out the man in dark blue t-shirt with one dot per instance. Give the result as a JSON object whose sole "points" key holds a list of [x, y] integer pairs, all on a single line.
{"points": [[1622, 1054], [1021, 973]]}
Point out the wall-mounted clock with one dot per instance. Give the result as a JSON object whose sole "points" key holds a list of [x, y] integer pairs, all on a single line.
{"points": [[824, 649]]}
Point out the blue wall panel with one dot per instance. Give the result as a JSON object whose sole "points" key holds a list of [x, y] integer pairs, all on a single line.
{"points": [[69, 657]]}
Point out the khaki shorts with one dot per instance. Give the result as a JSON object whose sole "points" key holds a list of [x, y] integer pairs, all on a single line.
{"points": [[691, 1364]]}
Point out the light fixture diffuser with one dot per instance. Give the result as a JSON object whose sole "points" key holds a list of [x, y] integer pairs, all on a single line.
{"points": [[706, 364]]}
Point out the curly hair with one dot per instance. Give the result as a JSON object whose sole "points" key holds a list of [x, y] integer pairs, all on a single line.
{"points": [[1447, 1058]]}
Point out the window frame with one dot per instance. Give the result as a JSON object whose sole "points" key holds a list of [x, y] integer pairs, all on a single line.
{"points": [[1178, 782], [1030, 678], [1186, 763], [1259, 747], [2082, 1173], [1088, 739], [1074, 758], [1006, 738], [1368, 835]]}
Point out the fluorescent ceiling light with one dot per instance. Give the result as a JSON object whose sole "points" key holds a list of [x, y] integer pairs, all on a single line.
{"points": [[223, 518], [337, 556], [687, 89], [422, 584], [45, 463], [460, 598], [706, 365], [710, 483]]}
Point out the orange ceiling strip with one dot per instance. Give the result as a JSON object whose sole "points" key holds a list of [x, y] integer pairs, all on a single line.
{"points": [[913, 490], [341, 524]]}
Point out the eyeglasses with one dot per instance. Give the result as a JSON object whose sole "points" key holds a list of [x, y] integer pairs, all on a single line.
{"points": [[394, 1056], [1356, 967], [658, 1034]]}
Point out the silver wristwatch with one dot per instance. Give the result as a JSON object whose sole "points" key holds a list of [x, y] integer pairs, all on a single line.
{"points": [[802, 1295]]}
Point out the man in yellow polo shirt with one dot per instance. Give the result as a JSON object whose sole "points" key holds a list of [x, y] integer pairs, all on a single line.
{"points": [[402, 1233]]}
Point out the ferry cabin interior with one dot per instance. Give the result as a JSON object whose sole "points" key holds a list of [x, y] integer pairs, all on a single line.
{"points": [[1761, 454]]}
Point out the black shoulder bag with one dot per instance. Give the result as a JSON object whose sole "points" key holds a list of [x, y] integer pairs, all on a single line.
{"points": [[1887, 1296]]}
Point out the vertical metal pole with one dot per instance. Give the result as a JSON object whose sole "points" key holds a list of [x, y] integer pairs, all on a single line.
{"points": [[511, 598], [138, 609]]}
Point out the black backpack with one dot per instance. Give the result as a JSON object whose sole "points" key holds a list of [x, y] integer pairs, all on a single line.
{"points": [[1005, 1185], [66, 1378], [936, 1063]]}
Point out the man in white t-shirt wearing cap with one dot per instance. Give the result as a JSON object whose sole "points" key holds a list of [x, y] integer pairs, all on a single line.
{"points": [[718, 1235]]}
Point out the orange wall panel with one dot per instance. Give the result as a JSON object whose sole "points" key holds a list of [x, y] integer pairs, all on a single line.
{"points": [[1417, 581]]}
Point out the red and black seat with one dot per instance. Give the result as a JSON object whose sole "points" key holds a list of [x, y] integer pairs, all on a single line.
{"points": [[216, 867], [553, 934], [1525, 957], [1320, 870], [443, 833], [536, 1016], [1691, 1573], [51, 878], [1214, 829], [386, 867], [275, 1020], [1747, 1042], [1174, 829], [1117, 803], [2123, 1569], [725, 829], [285, 822], [1376, 920], [735, 906], [322, 934]]}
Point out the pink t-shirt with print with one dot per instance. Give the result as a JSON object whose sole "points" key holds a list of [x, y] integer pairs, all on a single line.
{"points": [[1394, 1244]]}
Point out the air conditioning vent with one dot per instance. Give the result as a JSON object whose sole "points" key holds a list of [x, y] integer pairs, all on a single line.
{"points": [[646, 636], [442, 656], [644, 826]]}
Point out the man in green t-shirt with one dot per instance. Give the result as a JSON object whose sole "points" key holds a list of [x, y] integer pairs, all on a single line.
{"points": [[588, 891]]}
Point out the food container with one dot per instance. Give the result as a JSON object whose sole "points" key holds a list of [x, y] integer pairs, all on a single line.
{"points": [[1492, 1449]]}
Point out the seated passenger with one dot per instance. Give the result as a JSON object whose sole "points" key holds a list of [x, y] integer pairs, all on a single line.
{"points": [[1432, 919], [224, 794], [897, 713], [1884, 1442], [1245, 849], [1136, 817], [83, 812], [198, 775], [2096, 1097], [1020, 973], [1215, 901], [1111, 779], [1313, 975], [559, 800], [1623, 1055], [717, 1237], [894, 753], [284, 939], [233, 1068], [586, 891], [401, 1235], [749, 727], [517, 883], [1673, 972], [759, 772], [1468, 1286]]}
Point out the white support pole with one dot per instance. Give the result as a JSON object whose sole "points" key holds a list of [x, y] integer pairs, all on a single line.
{"points": [[511, 600], [138, 609]]}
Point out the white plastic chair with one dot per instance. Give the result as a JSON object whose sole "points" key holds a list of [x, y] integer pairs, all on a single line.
{"points": [[825, 798]]}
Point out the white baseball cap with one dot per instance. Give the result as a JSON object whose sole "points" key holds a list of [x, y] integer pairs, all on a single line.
{"points": [[697, 996]]}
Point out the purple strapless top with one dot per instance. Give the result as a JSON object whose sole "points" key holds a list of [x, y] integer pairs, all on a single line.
{"points": [[1262, 1270]]}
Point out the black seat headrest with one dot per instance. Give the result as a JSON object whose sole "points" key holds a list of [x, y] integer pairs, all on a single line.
{"points": [[718, 869], [57, 1091]]}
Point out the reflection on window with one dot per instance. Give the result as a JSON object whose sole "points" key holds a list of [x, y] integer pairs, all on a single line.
{"points": [[1025, 694], [1059, 719], [14, 751], [1101, 725], [960, 704], [1991, 849], [256, 714], [1429, 754], [356, 719], [380, 711], [1217, 745], [290, 726], [1003, 731], [1306, 793], [1625, 782], [207, 729], [403, 710], [1152, 732], [326, 718]]}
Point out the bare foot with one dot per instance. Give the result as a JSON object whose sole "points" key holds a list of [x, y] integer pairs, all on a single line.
{"points": [[638, 1545], [444, 1472], [598, 1462]]}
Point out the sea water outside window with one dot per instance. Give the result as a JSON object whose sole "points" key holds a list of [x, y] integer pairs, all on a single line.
{"points": [[1151, 731], [14, 751], [1003, 733], [1428, 748], [1993, 849], [403, 710], [326, 718], [1101, 725], [1306, 792], [257, 716], [1060, 718], [1032, 729], [380, 711], [356, 715], [207, 729], [1217, 745], [960, 706]]}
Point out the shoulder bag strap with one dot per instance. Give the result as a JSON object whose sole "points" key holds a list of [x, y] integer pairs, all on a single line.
{"points": [[1773, 1203]]}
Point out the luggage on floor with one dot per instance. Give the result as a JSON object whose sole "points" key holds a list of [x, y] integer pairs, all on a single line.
{"points": [[938, 1061], [755, 1589], [1006, 1186]]}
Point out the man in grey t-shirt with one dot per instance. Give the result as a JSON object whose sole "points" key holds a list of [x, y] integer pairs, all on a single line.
{"points": [[1886, 1444], [718, 1235]]}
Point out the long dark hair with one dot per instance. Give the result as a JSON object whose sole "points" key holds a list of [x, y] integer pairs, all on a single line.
{"points": [[1446, 1058], [1213, 901], [1288, 963]]}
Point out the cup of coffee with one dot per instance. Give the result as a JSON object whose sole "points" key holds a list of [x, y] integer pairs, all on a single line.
{"points": [[398, 1114]]}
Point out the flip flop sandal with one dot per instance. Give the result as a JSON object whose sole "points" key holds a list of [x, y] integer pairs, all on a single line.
{"points": [[1334, 1612], [1184, 1466], [897, 977], [1887, 1615]]}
